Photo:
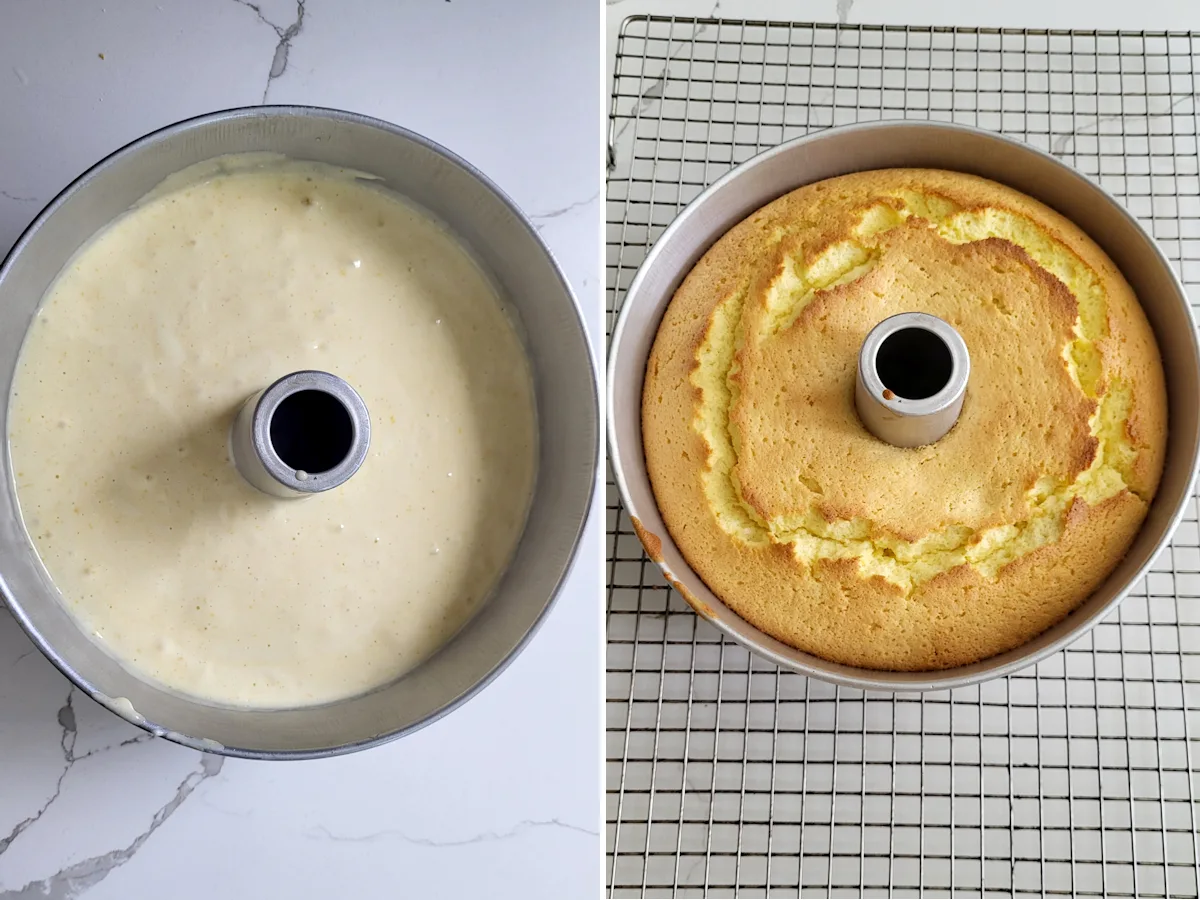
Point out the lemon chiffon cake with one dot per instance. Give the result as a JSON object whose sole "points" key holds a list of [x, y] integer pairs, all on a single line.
{"points": [[844, 546]]}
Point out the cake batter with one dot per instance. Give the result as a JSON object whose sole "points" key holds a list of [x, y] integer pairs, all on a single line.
{"points": [[143, 351]]}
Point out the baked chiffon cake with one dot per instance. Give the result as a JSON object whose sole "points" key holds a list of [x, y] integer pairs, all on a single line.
{"points": [[841, 545]]}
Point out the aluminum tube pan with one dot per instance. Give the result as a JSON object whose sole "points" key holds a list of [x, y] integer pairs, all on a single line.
{"points": [[881, 145], [507, 247]]}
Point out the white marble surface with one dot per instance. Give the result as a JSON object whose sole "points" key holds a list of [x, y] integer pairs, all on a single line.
{"points": [[499, 799]]}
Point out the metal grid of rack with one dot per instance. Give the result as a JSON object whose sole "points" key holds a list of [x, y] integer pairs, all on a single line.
{"points": [[728, 777]]}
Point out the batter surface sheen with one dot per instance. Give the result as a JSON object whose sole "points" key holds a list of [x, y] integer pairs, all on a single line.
{"points": [[141, 355]]}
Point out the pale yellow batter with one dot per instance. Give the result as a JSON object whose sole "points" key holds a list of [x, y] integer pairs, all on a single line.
{"points": [[131, 375]]}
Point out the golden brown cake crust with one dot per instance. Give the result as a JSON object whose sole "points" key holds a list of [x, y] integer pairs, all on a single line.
{"points": [[871, 555]]}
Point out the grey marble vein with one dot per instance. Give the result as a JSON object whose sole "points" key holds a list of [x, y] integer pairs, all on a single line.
{"points": [[136, 739], [537, 218], [323, 833], [66, 718], [1064, 141], [843, 11], [70, 734], [74, 880], [280, 60], [18, 198]]}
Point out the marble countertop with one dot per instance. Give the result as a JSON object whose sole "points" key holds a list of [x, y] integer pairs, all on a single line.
{"points": [[498, 799]]}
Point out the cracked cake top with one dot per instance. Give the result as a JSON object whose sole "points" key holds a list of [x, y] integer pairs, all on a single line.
{"points": [[860, 552]]}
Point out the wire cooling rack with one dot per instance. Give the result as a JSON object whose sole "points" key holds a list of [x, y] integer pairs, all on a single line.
{"points": [[727, 777]]}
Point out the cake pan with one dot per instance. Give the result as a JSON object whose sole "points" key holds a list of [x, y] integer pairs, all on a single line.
{"points": [[880, 145], [505, 243]]}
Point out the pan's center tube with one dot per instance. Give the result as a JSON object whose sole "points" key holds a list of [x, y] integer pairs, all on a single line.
{"points": [[912, 376], [306, 433]]}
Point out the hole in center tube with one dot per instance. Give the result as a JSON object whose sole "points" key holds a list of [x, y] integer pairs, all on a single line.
{"points": [[311, 431], [914, 363]]}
